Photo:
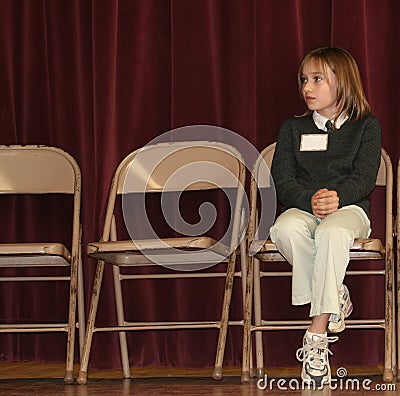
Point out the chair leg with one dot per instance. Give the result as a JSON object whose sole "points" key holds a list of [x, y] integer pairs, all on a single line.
{"points": [[217, 374], [388, 370], [69, 371], [398, 304], [81, 306], [247, 323], [121, 321], [120, 309], [82, 377], [393, 323], [258, 320], [243, 262]]}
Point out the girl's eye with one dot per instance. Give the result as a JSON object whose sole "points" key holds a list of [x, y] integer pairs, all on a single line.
{"points": [[317, 78], [303, 80]]}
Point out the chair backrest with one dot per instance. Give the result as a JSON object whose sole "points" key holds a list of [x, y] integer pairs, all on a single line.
{"points": [[37, 170], [384, 179], [197, 165], [33, 169], [178, 166]]}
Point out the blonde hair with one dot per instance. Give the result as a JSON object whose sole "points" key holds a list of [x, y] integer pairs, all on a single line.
{"points": [[351, 99]]}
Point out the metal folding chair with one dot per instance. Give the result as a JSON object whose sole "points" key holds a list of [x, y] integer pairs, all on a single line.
{"points": [[45, 170], [168, 168], [261, 250]]}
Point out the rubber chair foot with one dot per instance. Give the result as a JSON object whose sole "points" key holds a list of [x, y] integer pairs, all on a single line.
{"points": [[69, 377], [245, 379], [387, 375], [217, 373], [260, 372], [82, 378]]}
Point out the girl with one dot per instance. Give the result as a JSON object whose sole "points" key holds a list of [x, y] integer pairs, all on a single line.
{"points": [[325, 166]]}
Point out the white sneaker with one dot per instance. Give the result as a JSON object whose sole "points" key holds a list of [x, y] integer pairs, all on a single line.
{"points": [[336, 322], [315, 357]]}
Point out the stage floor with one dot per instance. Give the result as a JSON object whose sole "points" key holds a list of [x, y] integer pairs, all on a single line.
{"points": [[39, 379]]}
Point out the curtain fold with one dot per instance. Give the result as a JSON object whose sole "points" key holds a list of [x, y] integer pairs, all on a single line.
{"points": [[102, 78]]}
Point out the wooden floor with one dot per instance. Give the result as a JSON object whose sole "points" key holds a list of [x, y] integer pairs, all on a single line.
{"points": [[46, 379]]}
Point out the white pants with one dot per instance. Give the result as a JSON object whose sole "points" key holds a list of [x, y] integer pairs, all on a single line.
{"points": [[318, 251]]}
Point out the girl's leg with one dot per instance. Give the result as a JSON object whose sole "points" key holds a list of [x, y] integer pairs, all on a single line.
{"points": [[319, 323], [293, 233], [333, 239], [319, 253]]}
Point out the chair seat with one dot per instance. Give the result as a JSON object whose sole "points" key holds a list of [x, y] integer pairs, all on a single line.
{"points": [[370, 248], [34, 254], [152, 251]]}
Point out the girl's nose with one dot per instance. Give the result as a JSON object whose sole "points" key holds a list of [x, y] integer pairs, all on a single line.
{"points": [[307, 86]]}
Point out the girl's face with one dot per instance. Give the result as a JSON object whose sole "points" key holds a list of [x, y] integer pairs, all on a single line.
{"points": [[319, 89]]}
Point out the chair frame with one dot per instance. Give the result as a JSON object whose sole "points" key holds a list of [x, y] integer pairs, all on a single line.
{"points": [[125, 253], [362, 249], [398, 267], [18, 255]]}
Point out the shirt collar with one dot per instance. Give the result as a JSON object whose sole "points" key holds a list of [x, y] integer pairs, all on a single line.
{"points": [[320, 120]]}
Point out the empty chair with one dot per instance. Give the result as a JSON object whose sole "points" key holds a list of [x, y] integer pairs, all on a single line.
{"points": [[170, 169], [40, 170], [264, 251]]}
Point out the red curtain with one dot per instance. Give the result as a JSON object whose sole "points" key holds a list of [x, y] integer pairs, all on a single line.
{"points": [[101, 78]]}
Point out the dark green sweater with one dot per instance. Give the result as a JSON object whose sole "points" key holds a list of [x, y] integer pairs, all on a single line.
{"points": [[349, 165]]}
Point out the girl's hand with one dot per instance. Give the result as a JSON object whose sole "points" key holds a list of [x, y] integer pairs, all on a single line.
{"points": [[324, 202]]}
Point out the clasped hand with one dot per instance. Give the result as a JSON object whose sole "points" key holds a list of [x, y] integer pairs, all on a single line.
{"points": [[324, 202]]}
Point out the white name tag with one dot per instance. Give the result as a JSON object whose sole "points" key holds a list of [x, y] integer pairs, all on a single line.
{"points": [[314, 142]]}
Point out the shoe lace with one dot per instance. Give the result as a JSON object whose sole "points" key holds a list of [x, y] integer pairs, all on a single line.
{"points": [[315, 351], [343, 296]]}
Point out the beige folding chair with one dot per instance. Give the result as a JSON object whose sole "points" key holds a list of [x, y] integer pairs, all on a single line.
{"points": [[45, 170], [362, 249], [165, 168]]}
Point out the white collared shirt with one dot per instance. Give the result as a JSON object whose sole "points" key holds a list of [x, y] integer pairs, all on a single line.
{"points": [[320, 120]]}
